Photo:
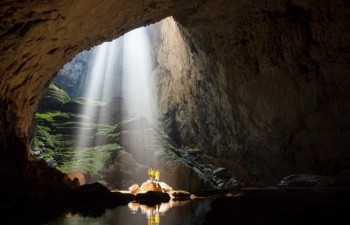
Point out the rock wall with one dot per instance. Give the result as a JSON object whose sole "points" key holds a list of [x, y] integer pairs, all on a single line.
{"points": [[269, 87], [272, 85], [73, 77]]}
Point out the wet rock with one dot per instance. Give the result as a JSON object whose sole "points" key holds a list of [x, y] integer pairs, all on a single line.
{"points": [[180, 194], [233, 184], [222, 173], [165, 187], [134, 188], [306, 180], [152, 198]]}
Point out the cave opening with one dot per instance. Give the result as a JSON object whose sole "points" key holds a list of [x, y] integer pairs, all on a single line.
{"points": [[98, 119], [262, 101]]}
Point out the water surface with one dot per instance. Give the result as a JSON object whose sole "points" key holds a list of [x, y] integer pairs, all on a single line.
{"points": [[190, 212]]}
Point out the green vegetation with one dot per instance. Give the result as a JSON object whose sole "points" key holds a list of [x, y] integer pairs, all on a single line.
{"points": [[89, 160], [58, 131], [54, 142]]}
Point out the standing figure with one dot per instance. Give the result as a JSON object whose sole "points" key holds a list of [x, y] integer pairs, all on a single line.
{"points": [[150, 174], [157, 175], [153, 174]]}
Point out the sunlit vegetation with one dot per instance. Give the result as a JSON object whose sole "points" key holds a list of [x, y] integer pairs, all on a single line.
{"points": [[54, 142]]}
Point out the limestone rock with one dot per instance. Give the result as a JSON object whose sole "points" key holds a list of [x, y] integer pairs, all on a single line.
{"points": [[178, 174], [179, 194], [222, 173], [77, 175], [53, 99], [125, 171], [150, 186], [165, 187], [134, 188], [307, 180], [73, 77]]}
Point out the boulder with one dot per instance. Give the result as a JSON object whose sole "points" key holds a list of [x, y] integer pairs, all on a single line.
{"points": [[53, 99], [165, 187], [178, 174], [179, 194], [134, 188], [150, 186], [77, 175], [125, 171], [222, 173]]}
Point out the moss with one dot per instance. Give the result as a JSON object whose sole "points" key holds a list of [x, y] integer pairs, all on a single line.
{"points": [[89, 160], [51, 116], [56, 139]]}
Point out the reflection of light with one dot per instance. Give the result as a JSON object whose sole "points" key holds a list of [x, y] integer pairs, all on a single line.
{"points": [[153, 212], [154, 219], [134, 207]]}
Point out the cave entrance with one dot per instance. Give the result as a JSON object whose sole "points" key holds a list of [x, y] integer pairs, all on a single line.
{"points": [[98, 120]]}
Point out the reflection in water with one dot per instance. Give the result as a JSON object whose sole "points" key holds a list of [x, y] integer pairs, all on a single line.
{"points": [[189, 212], [153, 212]]}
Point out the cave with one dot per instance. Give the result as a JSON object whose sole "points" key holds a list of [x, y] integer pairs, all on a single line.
{"points": [[261, 87]]}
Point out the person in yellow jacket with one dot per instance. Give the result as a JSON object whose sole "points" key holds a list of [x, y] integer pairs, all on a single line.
{"points": [[157, 175], [153, 174], [150, 173]]}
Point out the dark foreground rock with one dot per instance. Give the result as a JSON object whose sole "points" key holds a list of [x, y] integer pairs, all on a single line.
{"points": [[151, 198], [281, 207], [313, 180], [34, 208]]}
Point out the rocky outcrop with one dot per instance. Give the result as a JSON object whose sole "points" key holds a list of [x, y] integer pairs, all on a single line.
{"points": [[53, 99], [150, 186], [73, 77], [178, 174], [268, 91], [124, 171]]}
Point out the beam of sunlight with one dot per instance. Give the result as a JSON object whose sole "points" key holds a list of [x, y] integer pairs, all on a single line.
{"points": [[122, 68], [139, 93]]}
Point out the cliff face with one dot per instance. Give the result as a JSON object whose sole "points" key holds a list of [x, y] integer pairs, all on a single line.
{"points": [[262, 83], [284, 68]]}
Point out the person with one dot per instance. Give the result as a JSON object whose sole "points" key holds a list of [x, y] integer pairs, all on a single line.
{"points": [[153, 174], [150, 173], [157, 175]]}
